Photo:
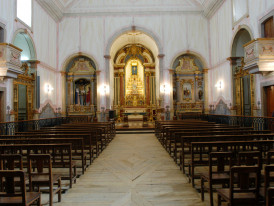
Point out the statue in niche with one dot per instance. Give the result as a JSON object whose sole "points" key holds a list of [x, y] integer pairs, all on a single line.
{"points": [[77, 96], [88, 96], [82, 92], [200, 94], [134, 70]]}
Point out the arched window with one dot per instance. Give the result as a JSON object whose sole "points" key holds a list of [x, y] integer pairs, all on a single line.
{"points": [[24, 11]]}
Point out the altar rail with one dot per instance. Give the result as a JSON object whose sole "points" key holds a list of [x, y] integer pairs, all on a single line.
{"points": [[258, 123], [9, 128]]}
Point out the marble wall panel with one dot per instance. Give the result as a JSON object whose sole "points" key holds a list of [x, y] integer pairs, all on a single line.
{"points": [[69, 38], [45, 35], [92, 41]]}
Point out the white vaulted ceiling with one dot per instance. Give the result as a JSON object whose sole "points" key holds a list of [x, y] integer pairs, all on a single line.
{"points": [[60, 8]]}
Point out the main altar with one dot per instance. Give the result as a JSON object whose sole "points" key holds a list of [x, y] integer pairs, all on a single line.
{"points": [[134, 82]]}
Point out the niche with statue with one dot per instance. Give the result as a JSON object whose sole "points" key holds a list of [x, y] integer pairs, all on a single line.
{"points": [[188, 90], [81, 86]]}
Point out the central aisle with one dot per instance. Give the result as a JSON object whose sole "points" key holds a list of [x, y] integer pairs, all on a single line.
{"points": [[134, 170]]}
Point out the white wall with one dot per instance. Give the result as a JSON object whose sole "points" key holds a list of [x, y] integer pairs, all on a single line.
{"points": [[222, 32], [44, 35]]}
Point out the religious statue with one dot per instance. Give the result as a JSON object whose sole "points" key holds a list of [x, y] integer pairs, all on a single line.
{"points": [[77, 95], [134, 70], [88, 96]]}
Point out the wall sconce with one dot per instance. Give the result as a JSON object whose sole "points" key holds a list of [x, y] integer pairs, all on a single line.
{"points": [[48, 88], [165, 88], [219, 85], [104, 89]]}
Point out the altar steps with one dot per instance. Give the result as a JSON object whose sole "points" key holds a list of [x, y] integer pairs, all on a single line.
{"points": [[135, 131]]}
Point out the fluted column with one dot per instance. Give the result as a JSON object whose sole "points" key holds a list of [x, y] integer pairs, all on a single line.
{"points": [[107, 80], [122, 96], [63, 92], [147, 87], [161, 69], [206, 91]]}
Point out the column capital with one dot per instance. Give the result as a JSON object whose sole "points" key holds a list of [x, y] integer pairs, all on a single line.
{"points": [[205, 70], [161, 56], [107, 56], [98, 72], [171, 71], [63, 73], [148, 73]]}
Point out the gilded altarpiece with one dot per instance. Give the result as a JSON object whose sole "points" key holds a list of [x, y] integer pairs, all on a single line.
{"points": [[23, 94], [134, 80], [188, 86], [81, 87]]}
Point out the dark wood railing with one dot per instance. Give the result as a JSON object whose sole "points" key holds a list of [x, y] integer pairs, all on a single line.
{"points": [[258, 123], [9, 128]]}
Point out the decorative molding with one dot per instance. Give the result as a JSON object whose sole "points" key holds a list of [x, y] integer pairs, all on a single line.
{"points": [[211, 6], [48, 67]]}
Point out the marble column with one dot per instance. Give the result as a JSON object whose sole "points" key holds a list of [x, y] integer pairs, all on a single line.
{"points": [[122, 96], [206, 106], [172, 109], [161, 76], [147, 88], [63, 92], [107, 81]]}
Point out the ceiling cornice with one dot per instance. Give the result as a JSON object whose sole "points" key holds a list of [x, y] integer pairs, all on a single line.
{"points": [[52, 8], [211, 6]]}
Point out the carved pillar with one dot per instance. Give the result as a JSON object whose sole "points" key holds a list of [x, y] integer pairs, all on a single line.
{"points": [[206, 107], [172, 109], [161, 78], [63, 92], [107, 81], [97, 99], [33, 67], [122, 96], [92, 91], [148, 88]]}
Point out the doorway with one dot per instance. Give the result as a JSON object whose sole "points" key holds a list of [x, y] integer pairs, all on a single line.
{"points": [[269, 100]]}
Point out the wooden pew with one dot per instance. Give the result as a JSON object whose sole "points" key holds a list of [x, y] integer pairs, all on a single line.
{"points": [[61, 156], [185, 143], [77, 145], [201, 150]]}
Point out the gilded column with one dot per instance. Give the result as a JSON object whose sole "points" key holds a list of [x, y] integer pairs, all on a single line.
{"points": [[148, 88], [206, 107], [161, 69], [122, 96], [92, 91], [106, 99], [63, 92]]}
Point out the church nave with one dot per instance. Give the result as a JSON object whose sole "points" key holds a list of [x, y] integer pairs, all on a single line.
{"points": [[133, 170]]}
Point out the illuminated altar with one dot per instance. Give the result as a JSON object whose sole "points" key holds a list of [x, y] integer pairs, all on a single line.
{"points": [[134, 85], [134, 80]]}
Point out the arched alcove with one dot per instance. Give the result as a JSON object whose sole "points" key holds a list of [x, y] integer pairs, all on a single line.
{"points": [[81, 86], [188, 84], [242, 80], [23, 41], [24, 87], [134, 72]]}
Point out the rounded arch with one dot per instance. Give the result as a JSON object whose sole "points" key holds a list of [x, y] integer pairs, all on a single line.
{"points": [[239, 32], [199, 56], [72, 56], [22, 38], [122, 31]]}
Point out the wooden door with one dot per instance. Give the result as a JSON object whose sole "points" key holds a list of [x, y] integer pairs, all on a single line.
{"points": [[269, 28], [246, 96], [270, 100]]}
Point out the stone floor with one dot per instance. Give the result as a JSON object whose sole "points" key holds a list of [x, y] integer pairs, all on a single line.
{"points": [[134, 170]]}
